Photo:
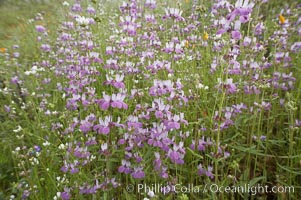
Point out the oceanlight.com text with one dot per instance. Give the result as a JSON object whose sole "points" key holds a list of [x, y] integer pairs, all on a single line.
{"points": [[209, 188]]}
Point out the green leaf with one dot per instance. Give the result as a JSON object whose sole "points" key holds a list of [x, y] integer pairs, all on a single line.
{"points": [[256, 180], [195, 154]]}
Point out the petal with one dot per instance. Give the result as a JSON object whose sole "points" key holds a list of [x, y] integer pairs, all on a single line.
{"points": [[116, 104], [105, 105]]}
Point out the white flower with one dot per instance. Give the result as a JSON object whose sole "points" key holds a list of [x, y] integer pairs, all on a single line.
{"points": [[237, 25], [20, 137], [151, 194], [19, 128], [150, 2], [82, 20], [189, 58], [58, 195], [65, 3], [29, 72], [244, 4], [46, 143], [62, 146], [173, 12], [92, 157], [201, 86], [104, 146]]}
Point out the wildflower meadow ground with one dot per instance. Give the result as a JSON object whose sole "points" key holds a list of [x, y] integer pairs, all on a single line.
{"points": [[150, 99]]}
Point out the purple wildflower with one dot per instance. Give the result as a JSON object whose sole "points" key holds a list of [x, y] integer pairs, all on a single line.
{"points": [[258, 30], [40, 28], [138, 173], [65, 195], [151, 4], [177, 153], [117, 101], [236, 35], [298, 122], [104, 103], [125, 167], [173, 13], [104, 125]]}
